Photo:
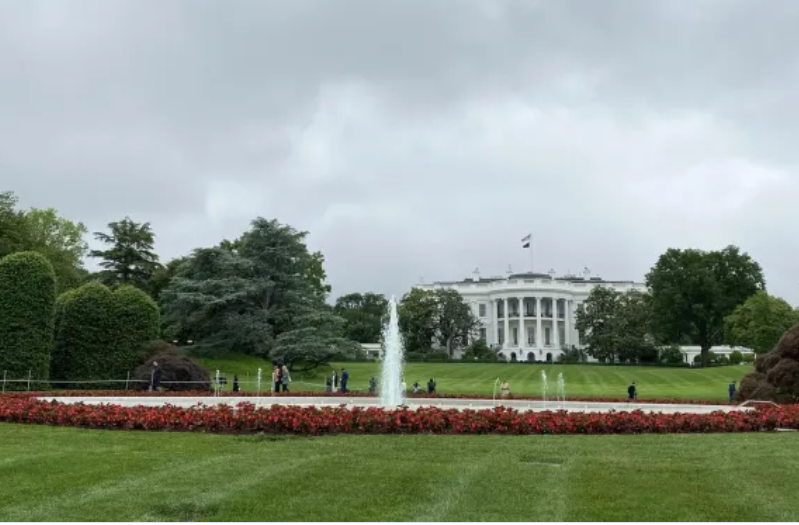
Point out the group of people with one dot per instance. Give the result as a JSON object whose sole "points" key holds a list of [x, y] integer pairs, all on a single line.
{"points": [[280, 378], [332, 382]]}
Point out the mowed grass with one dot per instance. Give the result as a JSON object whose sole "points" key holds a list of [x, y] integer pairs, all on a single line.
{"points": [[65, 474], [524, 379]]}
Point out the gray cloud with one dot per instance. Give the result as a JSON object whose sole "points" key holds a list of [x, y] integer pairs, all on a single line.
{"points": [[414, 138]]}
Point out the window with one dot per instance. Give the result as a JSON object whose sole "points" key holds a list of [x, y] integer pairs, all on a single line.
{"points": [[515, 336], [482, 309], [483, 334], [547, 336], [530, 337], [501, 336]]}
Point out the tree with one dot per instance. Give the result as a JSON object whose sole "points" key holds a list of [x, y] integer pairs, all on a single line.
{"points": [[455, 323], [130, 258], [478, 350], [440, 316], [243, 294], [12, 225], [163, 275], [693, 291], [364, 315], [417, 313], [615, 326], [759, 322], [27, 309], [58, 239], [317, 340]]}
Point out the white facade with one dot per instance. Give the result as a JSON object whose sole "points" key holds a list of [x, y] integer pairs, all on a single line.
{"points": [[529, 316]]}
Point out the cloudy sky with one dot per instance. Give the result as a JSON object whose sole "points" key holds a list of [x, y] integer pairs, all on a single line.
{"points": [[415, 138]]}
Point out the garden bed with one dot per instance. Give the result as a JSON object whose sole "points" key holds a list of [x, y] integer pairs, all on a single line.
{"points": [[245, 418]]}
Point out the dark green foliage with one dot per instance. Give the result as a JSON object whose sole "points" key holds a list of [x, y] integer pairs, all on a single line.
{"points": [[130, 258], [100, 333], [440, 316], [672, 355], [27, 311], [479, 351], [364, 315], [174, 366], [693, 291], [573, 355], [776, 376], [138, 321], [318, 341], [736, 357], [759, 322]]}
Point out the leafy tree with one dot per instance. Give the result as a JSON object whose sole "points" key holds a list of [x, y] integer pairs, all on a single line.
{"points": [[130, 258], [573, 355], [417, 314], [364, 315], [736, 357], [243, 294], [759, 322], [60, 240], [163, 275], [317, 340], [440, 316], [138, 322], [693, 291], [454, 322], [615, 326], [27, 302], [12, 225]]}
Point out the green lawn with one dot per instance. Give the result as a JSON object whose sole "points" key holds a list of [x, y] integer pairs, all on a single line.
{"points": [[65, 474], [470, 378]]}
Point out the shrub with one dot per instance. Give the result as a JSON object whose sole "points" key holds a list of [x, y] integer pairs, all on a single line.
{"points": [[27, 314], [736, 357], [137, 323], [776, 376], [174, 366], [480, 351], [672, 355], [748, 358]]}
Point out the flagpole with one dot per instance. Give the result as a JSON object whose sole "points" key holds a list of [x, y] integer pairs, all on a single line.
{"points": [[532, 270]]}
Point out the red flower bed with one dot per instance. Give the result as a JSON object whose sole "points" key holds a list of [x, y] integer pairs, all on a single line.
{"points": [[348, 395], [313, 421]]}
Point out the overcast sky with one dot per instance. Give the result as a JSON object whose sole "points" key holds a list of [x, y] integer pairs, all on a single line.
{"points": [[415, 138]]}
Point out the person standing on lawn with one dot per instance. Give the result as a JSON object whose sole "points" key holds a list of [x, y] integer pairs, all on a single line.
{"points": [[632, 392], [276, 379], [235, 383], [731, 392], [285, 378], [345, 376], [505, 389], [373, 386], [431, 386]]}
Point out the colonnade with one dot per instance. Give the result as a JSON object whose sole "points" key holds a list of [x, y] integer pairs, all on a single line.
{"points": [[550, 309]]}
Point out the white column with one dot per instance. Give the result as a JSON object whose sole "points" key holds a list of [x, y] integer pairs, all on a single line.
{"points": [[507, 325], [495, 319], [522, 332], [539, 333], [555, 331], [568, 304]]}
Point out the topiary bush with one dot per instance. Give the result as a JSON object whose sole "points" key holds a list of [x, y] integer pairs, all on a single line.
{"points": [[100, 333], [174, 366], [138, 321], [27, 312], [776, 376]]}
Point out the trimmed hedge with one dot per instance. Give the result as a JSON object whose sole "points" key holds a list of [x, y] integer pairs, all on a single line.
{"points": [[100, 333], [27, 310]]}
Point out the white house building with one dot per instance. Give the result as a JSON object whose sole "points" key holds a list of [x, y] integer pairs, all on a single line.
{"points": [[529, 316]]}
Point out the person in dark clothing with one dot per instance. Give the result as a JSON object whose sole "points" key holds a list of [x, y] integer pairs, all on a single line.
{"points": [[345, 376], [431, 386], [277, 377], [632, 392], [235, 383], [155, 379], [731, 392], [373, 386]]}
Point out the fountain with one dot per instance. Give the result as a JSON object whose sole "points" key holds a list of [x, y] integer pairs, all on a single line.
{"points": [[391, 392], [561, 388], [544, 385]]}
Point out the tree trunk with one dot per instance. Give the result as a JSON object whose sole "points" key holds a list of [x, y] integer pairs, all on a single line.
{"points": [[449, 346], [704, 352]]}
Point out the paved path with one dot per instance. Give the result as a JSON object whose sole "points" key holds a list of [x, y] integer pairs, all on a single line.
{"points": [[459, 404]]}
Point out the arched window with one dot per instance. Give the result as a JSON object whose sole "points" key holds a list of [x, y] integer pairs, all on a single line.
{"points": [[513, 357], [549, 357], [530, 357]]}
